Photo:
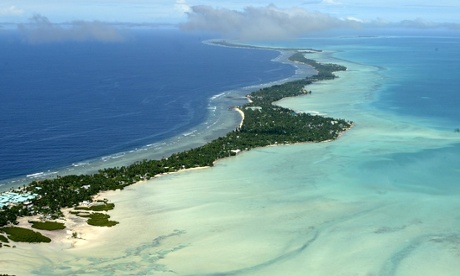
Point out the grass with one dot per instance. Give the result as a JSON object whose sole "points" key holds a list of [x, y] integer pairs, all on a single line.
{"points": [[18, 234], [48, 225], [98, 219]]}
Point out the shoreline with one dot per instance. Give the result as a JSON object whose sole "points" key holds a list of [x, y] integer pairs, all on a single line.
{"points": [[242, 116], [225, 43], [311, 221], [202, 133], [79, 225]]}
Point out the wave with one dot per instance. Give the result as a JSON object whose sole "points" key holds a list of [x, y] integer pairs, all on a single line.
{"points": [[42, 174], [217, 96], [80, 164], [189, 133]]}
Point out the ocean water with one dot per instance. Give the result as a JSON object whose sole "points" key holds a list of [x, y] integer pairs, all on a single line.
{"points": [[73, 107], [419, 71], [380, 200]]}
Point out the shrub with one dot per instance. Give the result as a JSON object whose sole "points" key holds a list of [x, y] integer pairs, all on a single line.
{"points": [[102, 207], [98, 208], [48, 225], [3, 239], [98, 219], [19, 234]]}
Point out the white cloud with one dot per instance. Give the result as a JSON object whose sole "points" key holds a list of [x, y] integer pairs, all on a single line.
{"points": [[352, 18], [182, 6], [259, 23], [11, 11], [272, 23], [41, 30]]}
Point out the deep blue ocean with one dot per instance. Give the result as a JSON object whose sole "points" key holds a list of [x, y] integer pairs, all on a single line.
{"points": [[63, 103], [381, 200]]}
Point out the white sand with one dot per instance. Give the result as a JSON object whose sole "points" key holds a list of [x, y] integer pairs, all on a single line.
{"points": [[242, 116], [286, 220], [350, 207]]}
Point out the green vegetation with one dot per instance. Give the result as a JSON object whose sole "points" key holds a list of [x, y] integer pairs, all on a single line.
{"points": [[48, 225], [98, 208], [102, 207], [81, 214], [76, 212], [98, 219], [239, 45], [3, 239], [10, 215], [325, 70], [265, 124], [19, 234]]}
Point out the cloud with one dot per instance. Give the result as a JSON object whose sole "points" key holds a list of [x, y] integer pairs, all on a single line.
{"points": [[413, 24], [272, 23], [10, 11], [182, 6], [41, 30], [262, 23], [352, 18]]}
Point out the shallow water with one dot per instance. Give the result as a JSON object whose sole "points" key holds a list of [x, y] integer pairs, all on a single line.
{"points": [[380, 200]]}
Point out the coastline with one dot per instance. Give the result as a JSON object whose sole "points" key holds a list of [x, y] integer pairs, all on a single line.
{"points": [[276, 96], [219, 122], [242, 116], [319, 219]]}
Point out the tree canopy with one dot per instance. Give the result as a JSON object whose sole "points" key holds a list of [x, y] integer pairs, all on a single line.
{"points": [[264, 124]]}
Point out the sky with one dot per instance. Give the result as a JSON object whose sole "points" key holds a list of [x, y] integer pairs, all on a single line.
{"points": [[173, 11], [233, 18]]}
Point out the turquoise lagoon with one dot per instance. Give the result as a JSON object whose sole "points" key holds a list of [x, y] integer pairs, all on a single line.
{"points": [[381, 200]]}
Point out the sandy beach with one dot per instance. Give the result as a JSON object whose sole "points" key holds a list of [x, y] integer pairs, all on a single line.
{"points": [[242, 116], [364, 204]]}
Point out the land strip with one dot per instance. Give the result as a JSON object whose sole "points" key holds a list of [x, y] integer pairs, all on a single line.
{"points": [[263, 124]]}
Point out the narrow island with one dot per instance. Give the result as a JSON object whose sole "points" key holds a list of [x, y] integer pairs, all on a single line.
{"points": [[264, 124]]}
